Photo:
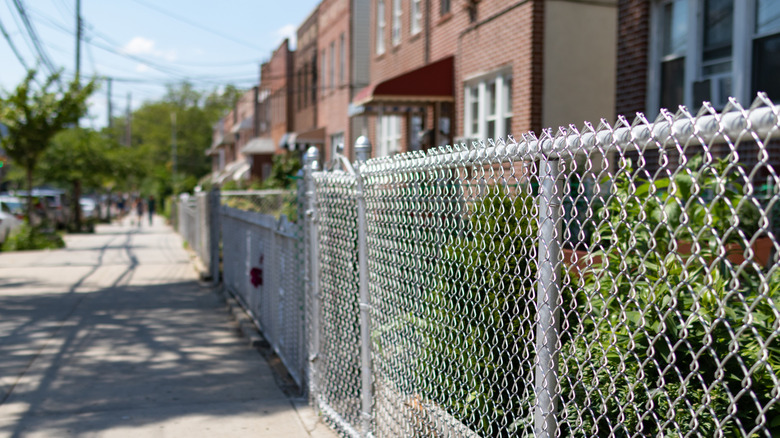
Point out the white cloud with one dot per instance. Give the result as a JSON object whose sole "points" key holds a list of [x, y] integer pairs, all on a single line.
{"points": [[288, 31], [142, 68], [144, 46], [139, 46]]}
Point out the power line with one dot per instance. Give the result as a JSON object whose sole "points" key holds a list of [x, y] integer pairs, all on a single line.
{"points": [[13, 46], [34, 37], [199, 26]]}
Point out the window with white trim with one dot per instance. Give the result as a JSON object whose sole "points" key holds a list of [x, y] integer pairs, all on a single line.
{"points": [[416, 16], [488, 106], [336, 143], [710, 50], [380, 27], [388, 135], [397, 13]]}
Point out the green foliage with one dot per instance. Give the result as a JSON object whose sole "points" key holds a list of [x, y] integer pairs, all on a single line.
{"points": [[476, 323], [152, 129], [665, 334], [27, 238], [33, 115], [284, 172]]}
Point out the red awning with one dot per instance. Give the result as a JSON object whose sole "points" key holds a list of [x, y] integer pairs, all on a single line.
{"points": [[431, 83]]}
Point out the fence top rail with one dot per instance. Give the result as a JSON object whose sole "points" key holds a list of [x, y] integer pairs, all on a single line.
{"points": [[282, 226], [268, 192], [762, 119]]}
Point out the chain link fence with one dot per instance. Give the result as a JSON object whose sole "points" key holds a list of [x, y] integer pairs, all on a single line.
{"points": [[610, 281]]}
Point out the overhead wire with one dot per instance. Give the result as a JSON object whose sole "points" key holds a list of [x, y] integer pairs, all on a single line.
{"points": [[13, 46], [199, 26], [40, 50]]}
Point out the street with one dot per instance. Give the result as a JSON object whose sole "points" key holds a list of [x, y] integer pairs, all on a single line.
{"points": [[113, 337]]}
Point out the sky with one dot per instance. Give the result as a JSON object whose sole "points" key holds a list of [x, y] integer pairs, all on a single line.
{"points": [[145, 44]]}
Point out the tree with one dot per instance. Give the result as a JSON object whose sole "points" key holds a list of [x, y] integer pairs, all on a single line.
{"points": [[34, 115], [82, 159]]}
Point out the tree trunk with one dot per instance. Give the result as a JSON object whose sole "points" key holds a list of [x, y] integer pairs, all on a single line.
{"points": [[29, 172], [77, 204]]}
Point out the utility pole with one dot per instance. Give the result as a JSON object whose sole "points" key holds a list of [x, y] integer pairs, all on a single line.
{"points": [[110, 110], [78, 40], [129, 123], [173, 151]]}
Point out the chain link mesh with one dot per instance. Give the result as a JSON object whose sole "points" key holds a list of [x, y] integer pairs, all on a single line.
{"points": [[338, 364], [619, 281]]}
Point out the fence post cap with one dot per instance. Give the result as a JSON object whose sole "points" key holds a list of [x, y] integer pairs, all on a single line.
{"points": [[362, 144], [312, 154]]}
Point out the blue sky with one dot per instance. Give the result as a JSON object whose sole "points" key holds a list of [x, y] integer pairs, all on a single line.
{"points": [[144, 44]]}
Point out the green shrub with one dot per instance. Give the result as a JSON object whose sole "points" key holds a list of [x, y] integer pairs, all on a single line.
{"points": [[476, 325], [31, 238], [665, 340]]}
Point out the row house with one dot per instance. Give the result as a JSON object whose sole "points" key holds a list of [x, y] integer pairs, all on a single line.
{"points": [[445, 71], [231, 136], [684, 52]]}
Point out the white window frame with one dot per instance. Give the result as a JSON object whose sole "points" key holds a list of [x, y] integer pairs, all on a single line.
{"points": [[502, 111], [381, 24], [397, 18], [416, 16], [743, 35], [335, 140], [388, 134]]}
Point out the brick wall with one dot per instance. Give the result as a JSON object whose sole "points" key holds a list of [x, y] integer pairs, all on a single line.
{"points": [[334, 21], [305, 78], [632, 53], [510, 35]]}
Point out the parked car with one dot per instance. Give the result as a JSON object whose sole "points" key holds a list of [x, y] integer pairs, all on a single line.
{"points": [[89, 208], [10, 216], [53, 202]]}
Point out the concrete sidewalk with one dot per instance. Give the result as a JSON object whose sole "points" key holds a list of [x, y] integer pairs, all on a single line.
{"points": [[114, 337]]}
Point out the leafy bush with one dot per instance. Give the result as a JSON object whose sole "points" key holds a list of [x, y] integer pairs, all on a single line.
{"points": [[667, 341], [31, 238], [477, 324]]}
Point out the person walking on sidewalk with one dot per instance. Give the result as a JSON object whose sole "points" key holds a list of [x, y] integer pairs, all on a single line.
{"points": [[150, 207], [139, 209]]}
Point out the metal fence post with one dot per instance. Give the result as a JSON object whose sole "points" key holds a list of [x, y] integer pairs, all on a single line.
{"points": [[311, 160], [214, 234], [547, 322], [362, 153]]}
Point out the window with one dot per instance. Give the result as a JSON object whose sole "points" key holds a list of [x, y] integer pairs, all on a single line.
{"points": [[766, 49], [710, 50], [415, 130], [396, 22], [324, 76], [416, 26], [445, 7], [380, 27], [331, 71], [488, 107], [389, 135], [342, 58]]}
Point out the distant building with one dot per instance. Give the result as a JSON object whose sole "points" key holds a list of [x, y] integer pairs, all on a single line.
{"points": [[305, 93], [445, 71]]}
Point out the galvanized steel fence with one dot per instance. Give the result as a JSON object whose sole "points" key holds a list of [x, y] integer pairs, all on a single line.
{"points": [[611, 281]]}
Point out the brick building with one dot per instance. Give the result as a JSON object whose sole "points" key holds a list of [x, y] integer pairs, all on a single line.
{"points": [[305, 93], [444, 71], [683, 52], [342, 46]]}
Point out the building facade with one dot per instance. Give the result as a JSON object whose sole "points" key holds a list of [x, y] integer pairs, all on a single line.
{"points": [[683, 52], [445, 71]]}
